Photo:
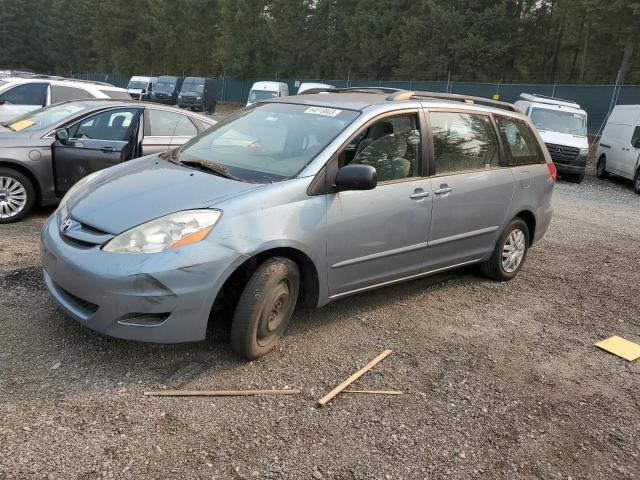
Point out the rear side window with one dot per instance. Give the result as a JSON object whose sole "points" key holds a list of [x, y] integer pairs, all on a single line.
{"points": [[27, 94], [463, 142], [520, 142], [169, 124], [60, 93]]}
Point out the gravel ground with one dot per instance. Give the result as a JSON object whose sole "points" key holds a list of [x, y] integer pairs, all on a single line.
{"points": [[501, 380]]}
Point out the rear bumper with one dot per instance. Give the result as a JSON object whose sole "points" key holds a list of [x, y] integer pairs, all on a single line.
{"points": [[543, 220], [163, 298]]}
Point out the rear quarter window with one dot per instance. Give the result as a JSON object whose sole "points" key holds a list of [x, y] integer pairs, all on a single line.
{"points": [[520, 142]]}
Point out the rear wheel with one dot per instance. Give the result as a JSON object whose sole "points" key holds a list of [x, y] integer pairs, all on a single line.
{"points": [[601, 168], [510, 252], [17, 196], [265, 307]]}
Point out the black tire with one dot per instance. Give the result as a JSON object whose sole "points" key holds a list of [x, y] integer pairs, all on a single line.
{"points": [[265, 307], [576, 178], [601, 168], [636, 182], [494, 268], [15, 181]]}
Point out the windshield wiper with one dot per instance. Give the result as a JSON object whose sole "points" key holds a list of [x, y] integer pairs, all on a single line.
{"points": [[213, 167]]}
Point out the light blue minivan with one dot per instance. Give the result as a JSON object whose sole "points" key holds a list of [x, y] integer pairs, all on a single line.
{"points": [[303, 199]]}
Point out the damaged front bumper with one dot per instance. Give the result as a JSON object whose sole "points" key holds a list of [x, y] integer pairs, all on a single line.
{"points": [[162, 297]]}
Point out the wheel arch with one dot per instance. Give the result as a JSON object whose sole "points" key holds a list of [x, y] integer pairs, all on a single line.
{"points": [[310, 280], [528, 217], [27, 173]]}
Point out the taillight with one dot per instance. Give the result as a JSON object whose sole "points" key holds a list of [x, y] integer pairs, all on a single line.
{"points": [[553, 171]]}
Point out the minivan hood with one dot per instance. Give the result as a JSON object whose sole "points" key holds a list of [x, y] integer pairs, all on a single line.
{"points": [[564, 139], [137, 191]]}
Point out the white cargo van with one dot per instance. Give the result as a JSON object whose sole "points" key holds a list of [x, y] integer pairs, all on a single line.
{"points": [[140, 87], [563, 127], [264, 90], [619, 148]]}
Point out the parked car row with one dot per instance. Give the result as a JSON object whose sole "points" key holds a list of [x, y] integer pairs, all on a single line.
{"points": [[196, 93]]}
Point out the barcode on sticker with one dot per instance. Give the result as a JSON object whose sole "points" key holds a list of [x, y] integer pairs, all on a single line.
{"points": [[327, 112]]}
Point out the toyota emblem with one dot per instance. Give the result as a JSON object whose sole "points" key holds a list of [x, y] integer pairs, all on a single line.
{"points": [[66, 225]]}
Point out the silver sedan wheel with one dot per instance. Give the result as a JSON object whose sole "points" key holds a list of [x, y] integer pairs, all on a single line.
{"points": [[13, 197], [513, 251]]}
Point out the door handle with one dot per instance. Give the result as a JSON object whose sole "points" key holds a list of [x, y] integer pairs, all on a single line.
{"points": [[418, 195], [443, 190], [108, 149]]}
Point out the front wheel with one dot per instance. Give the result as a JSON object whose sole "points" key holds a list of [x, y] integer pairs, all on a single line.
{"points": [[265, 307], [636, 182], [510, 252], [601, 168], [17, 196]]}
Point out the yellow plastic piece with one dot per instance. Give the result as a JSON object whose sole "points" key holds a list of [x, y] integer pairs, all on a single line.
{"points": [[620, 347], [21, 125]]}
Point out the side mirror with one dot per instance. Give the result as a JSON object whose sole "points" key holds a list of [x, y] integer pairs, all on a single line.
{"points": [[2, 101], [62, 135], [356, 177], [636, 143]]}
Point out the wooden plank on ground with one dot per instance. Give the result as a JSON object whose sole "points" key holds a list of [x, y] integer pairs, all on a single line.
{"points": [[336, 391], [219, 393]]}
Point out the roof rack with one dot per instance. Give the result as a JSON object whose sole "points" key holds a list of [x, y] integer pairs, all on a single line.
{"points": [[534, 97], [410, 95], [352, 90]]}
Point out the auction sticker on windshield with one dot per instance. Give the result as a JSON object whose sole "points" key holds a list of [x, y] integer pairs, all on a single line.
{"points": [[21, 125], [327, 112]]}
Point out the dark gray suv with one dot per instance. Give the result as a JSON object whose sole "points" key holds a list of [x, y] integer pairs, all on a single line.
{"points": [[45, 152]]}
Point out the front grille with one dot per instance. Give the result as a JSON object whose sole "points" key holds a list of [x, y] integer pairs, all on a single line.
{"points": [[562, 153], [80, 302]]}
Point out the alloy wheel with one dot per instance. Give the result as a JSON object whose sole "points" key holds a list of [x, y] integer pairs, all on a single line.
{"points": [[13, 197], [513, 251]]}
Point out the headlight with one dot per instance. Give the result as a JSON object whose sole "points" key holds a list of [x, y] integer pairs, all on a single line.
{"points": [[81, 183], [584, 151], [172, 231]]}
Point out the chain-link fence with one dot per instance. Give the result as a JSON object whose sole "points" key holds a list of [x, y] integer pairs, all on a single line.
{"points": [[597, 100]]}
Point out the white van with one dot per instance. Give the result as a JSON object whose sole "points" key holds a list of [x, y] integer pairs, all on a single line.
{"points": [[619, 148], [563, 127], [265, 90], [304, 87], [140, 87]]}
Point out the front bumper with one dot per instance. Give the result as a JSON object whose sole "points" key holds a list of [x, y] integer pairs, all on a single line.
{"points": [[164, 297], [164, 99], [190, 102], [570, 166]]}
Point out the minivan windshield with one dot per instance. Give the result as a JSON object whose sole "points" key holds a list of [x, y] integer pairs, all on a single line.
{"points": [[192, 85], [137, 85], [47, 116], [268, 143], [258, 95], [561, 122]]}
